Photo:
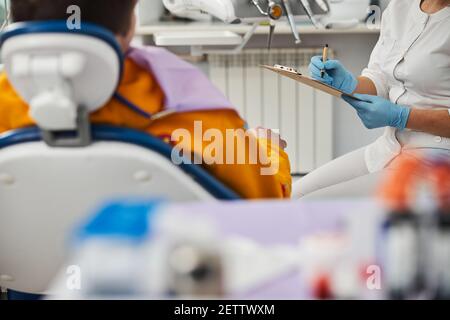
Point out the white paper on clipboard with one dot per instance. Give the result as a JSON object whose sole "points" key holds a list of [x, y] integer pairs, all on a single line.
{"points": [[293, 74]]}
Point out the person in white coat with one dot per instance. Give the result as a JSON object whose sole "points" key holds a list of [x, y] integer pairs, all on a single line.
{"points": [[405, 88]]}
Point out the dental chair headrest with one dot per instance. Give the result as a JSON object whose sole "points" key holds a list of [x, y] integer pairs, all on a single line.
{"points": [[57, 70]]}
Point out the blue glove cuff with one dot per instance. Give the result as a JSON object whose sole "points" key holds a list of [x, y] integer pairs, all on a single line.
{"points": [[402, 118], [351, 84]]}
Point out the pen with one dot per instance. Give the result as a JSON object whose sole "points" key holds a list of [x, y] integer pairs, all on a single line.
{"points": [[324, 59]]}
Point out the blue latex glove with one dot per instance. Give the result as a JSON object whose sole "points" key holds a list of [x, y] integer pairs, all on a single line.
{"points": [[335, 74], [376, 112]]}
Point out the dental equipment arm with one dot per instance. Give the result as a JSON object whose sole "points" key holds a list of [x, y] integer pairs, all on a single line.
{"points": [[306, 6], [291, 19], [254, 11]]}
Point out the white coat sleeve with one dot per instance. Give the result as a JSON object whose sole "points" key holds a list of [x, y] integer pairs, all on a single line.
{"points": [[374, 70]]}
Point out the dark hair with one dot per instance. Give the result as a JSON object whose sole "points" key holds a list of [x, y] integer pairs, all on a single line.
{"points": [[114, 15]]}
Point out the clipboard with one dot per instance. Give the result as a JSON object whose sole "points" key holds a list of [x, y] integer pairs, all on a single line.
{"points": [[297, 76]]}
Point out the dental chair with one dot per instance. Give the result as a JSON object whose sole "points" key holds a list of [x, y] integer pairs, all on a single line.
{"points": [[54, 174]]}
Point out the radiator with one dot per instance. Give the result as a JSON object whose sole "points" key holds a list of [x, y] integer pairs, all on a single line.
{"points": [[303, 116]]}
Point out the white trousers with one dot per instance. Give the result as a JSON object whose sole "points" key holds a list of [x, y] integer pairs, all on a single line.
{"points": [[348, 176], [344, 169]]}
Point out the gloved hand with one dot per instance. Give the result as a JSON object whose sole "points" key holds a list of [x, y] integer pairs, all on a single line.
{"points": [[376, 112], [335, 74]]}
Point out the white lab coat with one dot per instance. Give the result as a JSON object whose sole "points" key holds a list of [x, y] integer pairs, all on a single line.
{"points": [[410, 65]]}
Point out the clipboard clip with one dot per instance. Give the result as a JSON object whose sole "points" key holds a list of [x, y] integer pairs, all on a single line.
{"points": [[287, 69]]}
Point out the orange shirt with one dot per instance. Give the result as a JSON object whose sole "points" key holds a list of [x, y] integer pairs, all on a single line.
{"points": [[140, 87]]}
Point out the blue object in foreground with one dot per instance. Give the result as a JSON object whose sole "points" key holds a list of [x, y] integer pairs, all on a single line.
{"points": [[124, 220]]}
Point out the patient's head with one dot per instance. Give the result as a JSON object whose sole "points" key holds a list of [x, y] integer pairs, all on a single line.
{"points": [[116, 15]]}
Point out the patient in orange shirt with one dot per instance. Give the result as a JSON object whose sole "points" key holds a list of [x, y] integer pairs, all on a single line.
{"points": [[140, 86]]}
